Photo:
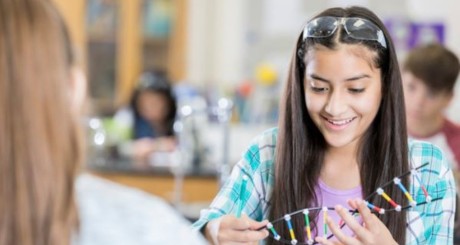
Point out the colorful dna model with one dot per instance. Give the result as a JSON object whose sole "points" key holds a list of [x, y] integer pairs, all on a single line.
{"points": [[380, 191]]}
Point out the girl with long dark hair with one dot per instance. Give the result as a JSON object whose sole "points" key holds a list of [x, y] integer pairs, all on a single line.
{"points": [[341, 135]]}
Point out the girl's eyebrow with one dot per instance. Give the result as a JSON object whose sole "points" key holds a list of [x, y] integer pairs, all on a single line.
{"points": [[358, 77], [316, 77]]}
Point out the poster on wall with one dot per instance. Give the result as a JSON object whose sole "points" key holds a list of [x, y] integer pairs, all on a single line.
{"points": [[426, 33], [408, 34]]}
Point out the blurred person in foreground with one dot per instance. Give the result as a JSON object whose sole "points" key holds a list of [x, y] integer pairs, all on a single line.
{"points": [[45, 197], [429, 74]]}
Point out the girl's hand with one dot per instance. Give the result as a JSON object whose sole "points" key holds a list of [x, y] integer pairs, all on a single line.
{"points": [[228, 230], [373, 231]]}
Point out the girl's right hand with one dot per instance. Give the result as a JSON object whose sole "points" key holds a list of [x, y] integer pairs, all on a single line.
{"points": [[228, 230]]}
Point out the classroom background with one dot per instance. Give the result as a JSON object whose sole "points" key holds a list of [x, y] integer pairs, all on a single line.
{"points": [[227, 61]]}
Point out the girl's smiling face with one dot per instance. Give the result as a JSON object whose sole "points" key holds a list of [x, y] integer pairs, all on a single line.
{"points": [[342, 92]]}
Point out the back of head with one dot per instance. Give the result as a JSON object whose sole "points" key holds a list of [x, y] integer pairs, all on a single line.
{"points": [[40, 146], [435, 65]]}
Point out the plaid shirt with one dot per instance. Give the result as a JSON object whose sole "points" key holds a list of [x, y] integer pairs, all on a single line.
{"points": [[426, 224]]}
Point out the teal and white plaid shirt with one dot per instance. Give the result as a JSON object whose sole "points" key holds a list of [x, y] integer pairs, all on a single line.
{"points": [[426, 224]]}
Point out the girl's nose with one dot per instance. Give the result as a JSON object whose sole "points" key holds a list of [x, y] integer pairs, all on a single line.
{"points": [[335, 104]]}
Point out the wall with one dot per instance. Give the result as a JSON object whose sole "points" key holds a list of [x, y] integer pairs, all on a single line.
{"points": [[215, 42], [228, 39]]}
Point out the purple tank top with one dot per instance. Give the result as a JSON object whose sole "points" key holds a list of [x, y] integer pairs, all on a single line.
{"points": [[329, 197]]}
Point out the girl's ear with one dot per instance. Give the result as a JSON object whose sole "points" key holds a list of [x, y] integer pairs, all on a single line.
{"points": [[78, 86]]}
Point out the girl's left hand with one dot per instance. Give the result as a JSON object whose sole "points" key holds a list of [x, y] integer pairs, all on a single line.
{"points": [[373, 231]]}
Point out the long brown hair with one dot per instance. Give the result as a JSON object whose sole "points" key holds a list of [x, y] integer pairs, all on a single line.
{"points": [[40, 140], [301, 147]]}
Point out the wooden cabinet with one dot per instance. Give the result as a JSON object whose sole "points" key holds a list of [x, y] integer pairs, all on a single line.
{"points": [[115, 54], [194, 189]]}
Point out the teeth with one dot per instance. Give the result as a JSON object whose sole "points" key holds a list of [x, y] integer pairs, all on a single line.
{"points": [[341, 122]]}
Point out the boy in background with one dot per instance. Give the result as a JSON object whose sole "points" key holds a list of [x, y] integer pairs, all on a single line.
{"points": [[429, 74]]}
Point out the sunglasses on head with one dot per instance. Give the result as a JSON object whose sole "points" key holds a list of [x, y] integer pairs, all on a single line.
{"points": [[355, 27]]}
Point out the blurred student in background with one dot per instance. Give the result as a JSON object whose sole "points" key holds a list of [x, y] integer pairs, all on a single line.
{"points": [[429, 75], [45, 198], [150, 115]]}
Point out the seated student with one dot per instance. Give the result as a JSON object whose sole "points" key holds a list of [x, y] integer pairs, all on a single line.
{"points": [[429, 75], [150, 115], [45, 200]]}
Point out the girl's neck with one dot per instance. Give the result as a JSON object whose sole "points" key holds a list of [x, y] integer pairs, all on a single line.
{"points": [[340, 168], [343, 155]]}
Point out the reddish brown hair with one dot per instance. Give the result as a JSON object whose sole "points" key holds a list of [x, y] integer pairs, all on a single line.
{"points": [[435, 65], [40, 140]]}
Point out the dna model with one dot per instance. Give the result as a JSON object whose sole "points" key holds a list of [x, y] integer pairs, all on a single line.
{"points": [[379, 191]]}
